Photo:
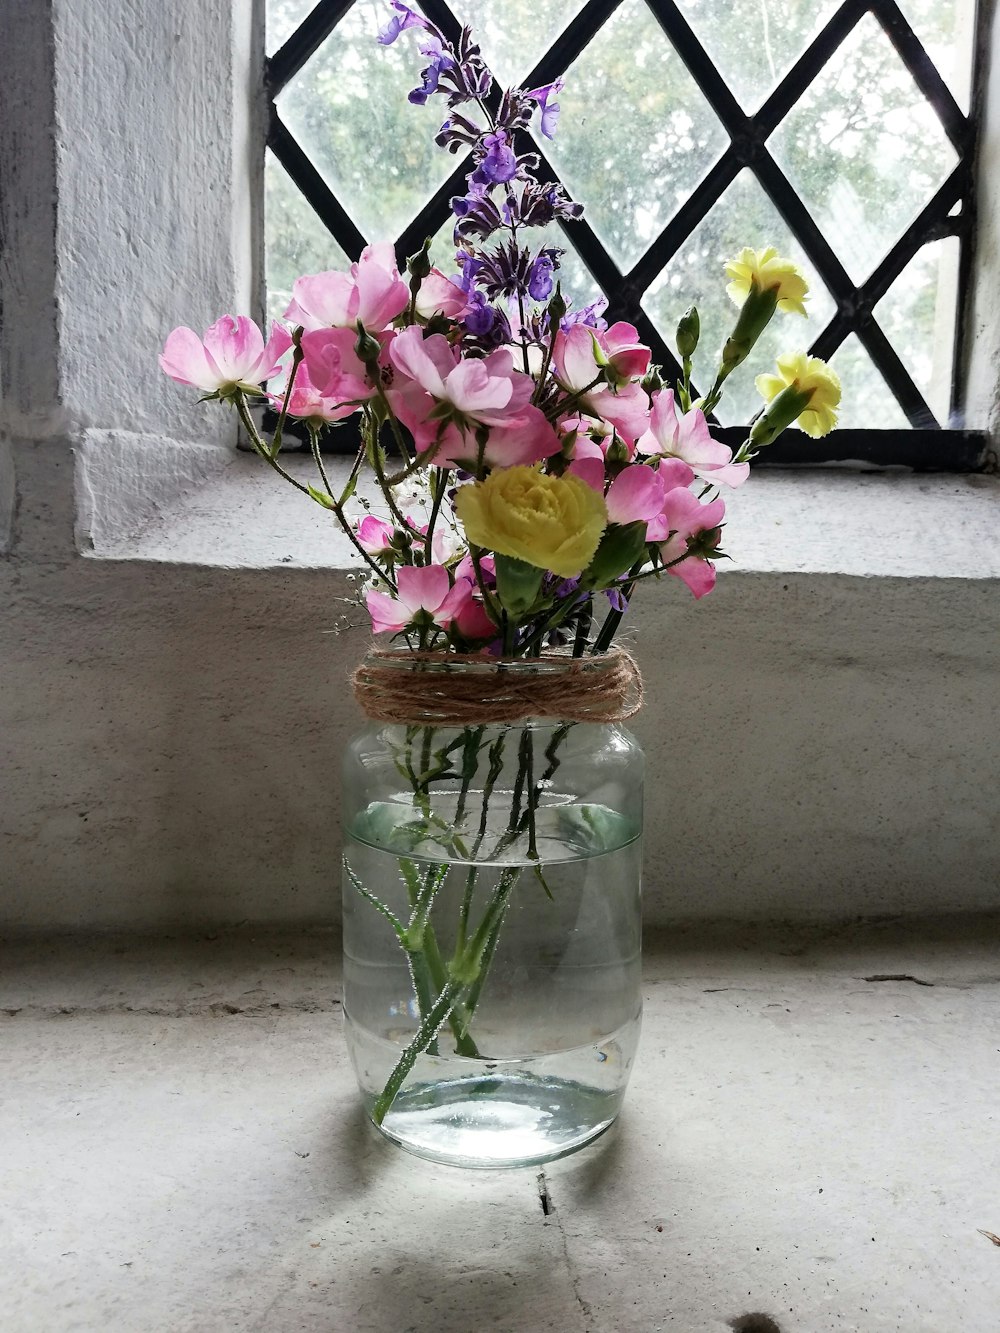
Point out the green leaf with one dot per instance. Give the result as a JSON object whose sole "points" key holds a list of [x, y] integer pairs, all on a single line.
{"points": [[321, 497]]}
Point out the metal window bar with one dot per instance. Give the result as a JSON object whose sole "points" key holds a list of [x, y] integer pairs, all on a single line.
{"points": [[950, 212]]}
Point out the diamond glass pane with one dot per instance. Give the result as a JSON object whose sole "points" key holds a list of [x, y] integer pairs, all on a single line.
{"points": [[744, 216], [864, 149], [297, 241], [917, 315], [867, 402], [347, 108], [515, 35], [947, 29], [635, 134], [281, 20], [755, 42]]}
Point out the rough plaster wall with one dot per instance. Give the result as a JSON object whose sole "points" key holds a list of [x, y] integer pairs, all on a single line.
{"points": [[140, 251], [817, 747]]}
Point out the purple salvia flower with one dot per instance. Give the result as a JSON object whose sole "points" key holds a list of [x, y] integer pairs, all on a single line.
{"points": [[479, 317], [499, 163], [588, 314], [405, 18], [617, 598], [441, 61], [548, 108], [540, 274]]}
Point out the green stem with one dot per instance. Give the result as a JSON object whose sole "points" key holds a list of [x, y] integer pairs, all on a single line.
{"points": [[470, 965], [425, 1035], [261, 448]]}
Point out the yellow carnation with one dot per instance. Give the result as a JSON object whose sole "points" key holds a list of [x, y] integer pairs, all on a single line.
{"points": [[553, 523], [769, 272], [815, 391]]}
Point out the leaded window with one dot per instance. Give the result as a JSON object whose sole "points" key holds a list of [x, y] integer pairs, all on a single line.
{"points": [[843, 133]]}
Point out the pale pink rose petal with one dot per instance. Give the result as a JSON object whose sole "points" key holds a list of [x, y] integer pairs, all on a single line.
{"points": [[456, 602], [438, 295], [374, 534], [334, 366], [322, 300], [277, 345], [627, 410], [234, 343], [183, 359], [472, 389], [527, 438], [590, 470], [573, 356], [422, 589], [427, 361], [386, 613], [699, 575], [675, 472], [381, 293], [635, 495]]}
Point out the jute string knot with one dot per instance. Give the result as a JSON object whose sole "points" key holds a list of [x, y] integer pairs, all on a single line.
{"points": [[454, 689]]}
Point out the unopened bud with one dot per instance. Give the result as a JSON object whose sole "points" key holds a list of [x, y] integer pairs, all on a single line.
{"points": [[557, 307], [753, 319], [368, 349], [688, 332], [419, 265], [653, 380]]}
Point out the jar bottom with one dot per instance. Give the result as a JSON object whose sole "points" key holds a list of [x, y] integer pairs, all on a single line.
{"points": [[512, 1113], [491, 1122]]}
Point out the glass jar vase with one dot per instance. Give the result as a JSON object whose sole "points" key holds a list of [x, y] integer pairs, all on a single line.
{"points": [[491, 887]]}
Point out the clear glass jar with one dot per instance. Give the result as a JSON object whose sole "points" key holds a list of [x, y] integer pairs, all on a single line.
{"points": [[492, 874]]}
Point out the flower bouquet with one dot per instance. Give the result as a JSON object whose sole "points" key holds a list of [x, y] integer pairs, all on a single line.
{"points": [[523, 469]]}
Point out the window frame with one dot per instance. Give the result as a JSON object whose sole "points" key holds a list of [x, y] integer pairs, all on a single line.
{"points": [[927, 444]]}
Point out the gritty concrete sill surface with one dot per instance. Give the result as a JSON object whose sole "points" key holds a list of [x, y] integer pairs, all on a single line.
{"points": [[809, 1144], [142, 499]]}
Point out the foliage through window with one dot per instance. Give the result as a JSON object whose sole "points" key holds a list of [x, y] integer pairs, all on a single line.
{"points": [[839, 132]]}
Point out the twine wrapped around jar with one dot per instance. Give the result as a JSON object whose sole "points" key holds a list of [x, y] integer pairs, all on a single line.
{"points": [[454, 689]]}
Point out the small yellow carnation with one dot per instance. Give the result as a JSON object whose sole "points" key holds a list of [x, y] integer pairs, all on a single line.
{"points": [[553, 523], [815, 384], [770, 273]]}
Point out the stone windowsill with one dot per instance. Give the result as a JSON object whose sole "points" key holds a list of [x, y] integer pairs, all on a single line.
{"points": [[142, 498]]}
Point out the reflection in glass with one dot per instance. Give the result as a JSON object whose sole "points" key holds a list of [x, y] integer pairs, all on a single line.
{"points": [[635, 135], [743, 216], [864, 149], [755, 42], [515, 35], [297, 241], [947, 29], [347, 108], [867, 401], [283, 17], [917, 315]]}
